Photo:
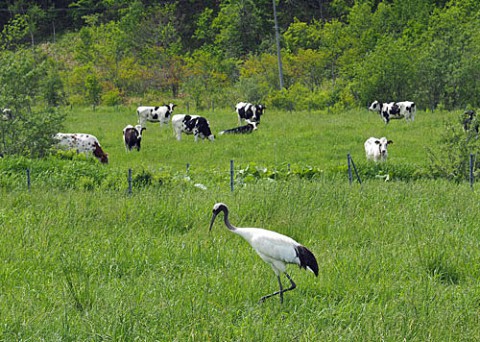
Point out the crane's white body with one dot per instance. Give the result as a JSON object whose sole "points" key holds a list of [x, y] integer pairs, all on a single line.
{"points": [[274, 248]]}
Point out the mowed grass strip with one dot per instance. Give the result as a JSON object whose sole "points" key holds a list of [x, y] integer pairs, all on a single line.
{"points": [[321, 139]]}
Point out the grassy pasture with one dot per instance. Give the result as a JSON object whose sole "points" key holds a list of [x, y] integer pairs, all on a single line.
{"points": [[398, 260], [303, 138]]}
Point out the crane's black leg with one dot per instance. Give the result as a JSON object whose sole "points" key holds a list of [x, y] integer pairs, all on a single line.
{"points": [[293, 285]]}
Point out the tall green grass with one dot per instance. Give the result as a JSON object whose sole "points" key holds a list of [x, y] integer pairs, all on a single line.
{"points": [[397, 261]]}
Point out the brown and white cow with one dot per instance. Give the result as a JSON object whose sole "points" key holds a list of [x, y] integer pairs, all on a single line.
{"points": [[82, 143]]}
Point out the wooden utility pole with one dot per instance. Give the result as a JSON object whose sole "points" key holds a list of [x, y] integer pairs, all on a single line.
{"points": [[277, 38]]}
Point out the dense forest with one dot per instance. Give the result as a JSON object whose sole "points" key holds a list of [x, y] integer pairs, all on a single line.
{"points": [[335, 54]]}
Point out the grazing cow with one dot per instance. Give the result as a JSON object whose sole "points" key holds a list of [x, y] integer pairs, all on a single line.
{"points": [[376, 149], [248, 128], [394, 110], [470, 121], [192, 124], [132, 137], [83, 143], [248, 111], [159, 114]]}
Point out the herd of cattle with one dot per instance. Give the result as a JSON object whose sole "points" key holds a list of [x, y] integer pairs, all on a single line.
{"points": [[199, 127], [195, 125]]}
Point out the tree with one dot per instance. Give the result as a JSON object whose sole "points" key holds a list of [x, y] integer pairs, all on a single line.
{"points": [[241, 26], [93, 89], [13, 33], [30, 130]]}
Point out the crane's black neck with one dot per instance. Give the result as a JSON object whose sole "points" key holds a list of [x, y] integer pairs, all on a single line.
{"points": [[225, 217]]}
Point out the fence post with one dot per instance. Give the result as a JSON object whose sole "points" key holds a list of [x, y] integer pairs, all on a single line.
{"points": [[188, 168], [350, 164], [349, 161], [28, 178], [471, 170], [129, 181], [231, 175], [356, 172]]}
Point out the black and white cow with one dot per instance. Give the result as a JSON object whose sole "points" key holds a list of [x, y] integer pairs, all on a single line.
{"points": [[248, 111], [159, 114], [132, 137], [248, 128], [192, 124], [395, 110]]}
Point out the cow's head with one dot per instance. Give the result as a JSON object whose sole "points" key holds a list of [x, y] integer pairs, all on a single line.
{"points": [[375, 106], [382, 144], [98, 152], [169, 111], [259, 111], [202, 129], [140, 130]]}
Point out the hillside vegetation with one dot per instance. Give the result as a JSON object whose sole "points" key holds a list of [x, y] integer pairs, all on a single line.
{"points": [[335, 54]]}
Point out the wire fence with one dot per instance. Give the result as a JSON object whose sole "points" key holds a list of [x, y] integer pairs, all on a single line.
{"points": [[352, 170]]}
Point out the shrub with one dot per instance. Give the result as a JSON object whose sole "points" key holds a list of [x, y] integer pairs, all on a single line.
{"points": [[451, 160]]}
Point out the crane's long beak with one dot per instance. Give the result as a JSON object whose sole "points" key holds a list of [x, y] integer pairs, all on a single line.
{"points": [[212, 220]]}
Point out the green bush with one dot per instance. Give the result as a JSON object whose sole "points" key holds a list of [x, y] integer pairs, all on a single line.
{"points": [[451, 157]]}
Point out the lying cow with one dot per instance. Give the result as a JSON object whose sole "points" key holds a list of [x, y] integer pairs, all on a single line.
{"points": [[159, 114], [394, 110], [82, 143], [192, 124], [248, 128], [248, 111], [132, 137], [376, 149]]}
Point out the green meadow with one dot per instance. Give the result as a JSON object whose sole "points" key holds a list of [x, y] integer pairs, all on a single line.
{"points": [[87, 261]]}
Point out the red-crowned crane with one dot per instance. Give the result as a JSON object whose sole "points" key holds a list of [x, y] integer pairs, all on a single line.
{"points": [[274, 248]]}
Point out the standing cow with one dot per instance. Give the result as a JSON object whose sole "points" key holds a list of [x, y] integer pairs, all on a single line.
{"points": [[82, 143], [192, 124], [376, 149], [132, 137], [395, 110], [248, 111], [159, 114]]}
